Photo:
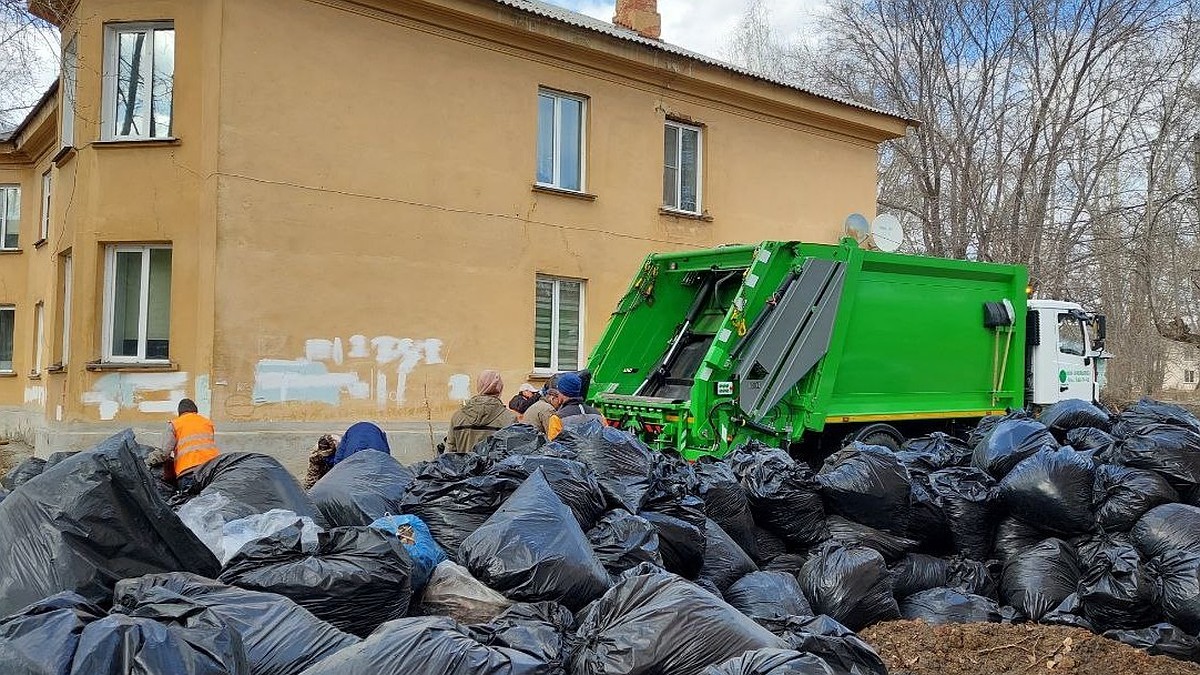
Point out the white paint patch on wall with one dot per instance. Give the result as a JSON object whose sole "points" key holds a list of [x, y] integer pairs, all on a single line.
{"points": [[460, 387], [36, 394], [203, 395], [148, 392]]}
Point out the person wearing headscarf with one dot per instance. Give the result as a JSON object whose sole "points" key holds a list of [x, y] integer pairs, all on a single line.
{"points": [[360, 436], [481, 416]]}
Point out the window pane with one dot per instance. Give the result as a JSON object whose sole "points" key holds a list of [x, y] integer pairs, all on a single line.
{"points": [[571, 144], [127, 287], [164, 74], [132, 114], [7, 319], [543, 315], [1070, 335], [545, 140], [670, 166], [67, 115], [12, 215], [158, 318], [46, 186], [690, 161], [39, 332], [568, 324]]}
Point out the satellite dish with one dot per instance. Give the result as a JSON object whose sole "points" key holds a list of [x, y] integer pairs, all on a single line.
{"points": [[886, 233], [857, 226]]}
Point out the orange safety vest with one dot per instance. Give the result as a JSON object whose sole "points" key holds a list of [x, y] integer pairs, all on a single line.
{"points": [[195, 442]]}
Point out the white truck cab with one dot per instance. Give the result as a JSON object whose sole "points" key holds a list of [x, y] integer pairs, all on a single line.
{"points": [[1065, 353]]}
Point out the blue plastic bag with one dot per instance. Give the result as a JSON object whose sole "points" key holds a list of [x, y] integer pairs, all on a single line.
{"points": [[419, 542]]}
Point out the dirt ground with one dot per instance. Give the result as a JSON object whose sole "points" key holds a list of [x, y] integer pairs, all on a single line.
{"points": [[8, 458], [917, 648]]}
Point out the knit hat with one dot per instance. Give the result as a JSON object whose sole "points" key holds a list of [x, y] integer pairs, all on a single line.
{"points": [[569, 385]]}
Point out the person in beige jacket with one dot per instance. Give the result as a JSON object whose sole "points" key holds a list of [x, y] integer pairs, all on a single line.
{"points": [[538, 415], [481, 416]]}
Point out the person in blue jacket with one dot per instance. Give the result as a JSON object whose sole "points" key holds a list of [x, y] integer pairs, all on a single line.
{"points": [[360, 436]]}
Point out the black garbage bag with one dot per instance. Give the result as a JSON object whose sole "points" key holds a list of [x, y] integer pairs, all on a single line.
{"points": [[679, 519], [949, 605], [768, 595], [785, 499], [572, 481], [23, 473], [971, 576], [1149, 411], [1039, 578], [918, 572], [1092, 546], [851, 585], [41, 638], [928, 525], [622, 540], [1086, 439], [1171, 451], [430, 645], [726, 501], [1014, 536], [1010, 441], [1161, 639], [280, 636], [934, 452], [968, 497], [661, 623], [1117, 591], [1074, 413], [1168, 527], [850, 534], [544, 630], [515, 439], [623, 464], [532, 549], [869, 485], [253, 484], [88, 522], [1051, 490], [361, 488], [453, 496], [358, 578], [1122, 495], [1068, 613], [772, 662], [56, 457], [724, 561], [1179, 575], [834, 643], [172, 635], [453, 592], [769, 546]]}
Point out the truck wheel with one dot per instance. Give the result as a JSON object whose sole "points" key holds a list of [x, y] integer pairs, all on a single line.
{"points": [[884, 435]]}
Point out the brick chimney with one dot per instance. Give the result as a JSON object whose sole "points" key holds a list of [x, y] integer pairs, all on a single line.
{"points": [[641, 16]]}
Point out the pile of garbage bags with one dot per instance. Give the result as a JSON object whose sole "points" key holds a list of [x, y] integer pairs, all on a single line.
{"points": [[592, 554]]}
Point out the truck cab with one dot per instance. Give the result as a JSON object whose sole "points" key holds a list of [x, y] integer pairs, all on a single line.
{"points": [[1066, 357]]}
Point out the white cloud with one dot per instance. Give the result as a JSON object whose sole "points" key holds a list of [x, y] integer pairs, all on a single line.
{"points": [[705, 25]]}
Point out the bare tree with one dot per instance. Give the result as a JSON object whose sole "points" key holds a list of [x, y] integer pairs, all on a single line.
{"points": [[28, 47]]}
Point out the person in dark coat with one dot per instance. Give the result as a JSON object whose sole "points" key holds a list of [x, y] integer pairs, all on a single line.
{"points": [[526, 396]]}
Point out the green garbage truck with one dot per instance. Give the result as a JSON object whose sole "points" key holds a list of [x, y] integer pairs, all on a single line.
{"points": [[808, 346]]}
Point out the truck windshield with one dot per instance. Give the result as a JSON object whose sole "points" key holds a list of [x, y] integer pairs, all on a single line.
{"points": [[1070, 335]]}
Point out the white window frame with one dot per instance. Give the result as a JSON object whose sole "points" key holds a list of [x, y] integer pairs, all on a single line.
{"points": [[47, 185], [559, 97], [109, 99], [13, 323], [70, 75], [68, 263], [39, 334], [110, 280], [555, 303], [679, 127], [1189, 377], [4, 187]]}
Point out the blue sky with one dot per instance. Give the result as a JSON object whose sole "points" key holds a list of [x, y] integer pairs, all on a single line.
{"points": [[704, 25]]}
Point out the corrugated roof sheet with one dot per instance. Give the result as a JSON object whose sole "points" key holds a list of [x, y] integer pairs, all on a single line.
{"points": [[567, 16]]}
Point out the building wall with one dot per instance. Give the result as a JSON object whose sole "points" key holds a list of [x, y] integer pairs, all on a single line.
{"points": [[1180, 361]]}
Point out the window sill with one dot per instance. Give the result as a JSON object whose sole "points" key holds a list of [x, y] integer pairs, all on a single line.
{"points": [[56, 368], [664, 211], [574, 194], [10, 251], [34, 376], [135, 142], [39, 243], [150, 367], [7, 373], [64, 154]]}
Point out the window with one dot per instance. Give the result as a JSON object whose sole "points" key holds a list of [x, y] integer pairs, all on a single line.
{"points": [[65, 280], [70, 63], [10, 216], [558, 324], [137, 307], [681, 167], [39, 333], [44, 233], [8, 319], [1070, 335], [139, 73], [560, 140], [1189, 377]]}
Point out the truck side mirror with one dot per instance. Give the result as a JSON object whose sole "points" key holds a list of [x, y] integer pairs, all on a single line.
{"points": [[1101, 324]]}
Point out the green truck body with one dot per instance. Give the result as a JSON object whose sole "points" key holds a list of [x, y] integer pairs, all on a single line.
{"points": [[709, 349]]}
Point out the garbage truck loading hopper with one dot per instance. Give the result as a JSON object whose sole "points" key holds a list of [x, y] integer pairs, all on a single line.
{"points": [[709, 349]]}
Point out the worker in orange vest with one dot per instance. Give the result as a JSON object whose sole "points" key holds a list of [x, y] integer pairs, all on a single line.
{"points": [[191, 441]]}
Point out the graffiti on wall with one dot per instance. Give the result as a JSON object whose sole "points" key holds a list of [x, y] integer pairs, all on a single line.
{"points": [[144, 392]]}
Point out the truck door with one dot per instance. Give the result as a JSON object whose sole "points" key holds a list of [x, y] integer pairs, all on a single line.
{"points": [[1075, 372]]}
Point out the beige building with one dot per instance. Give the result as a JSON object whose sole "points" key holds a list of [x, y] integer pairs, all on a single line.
{"points": [[302, 213]]}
